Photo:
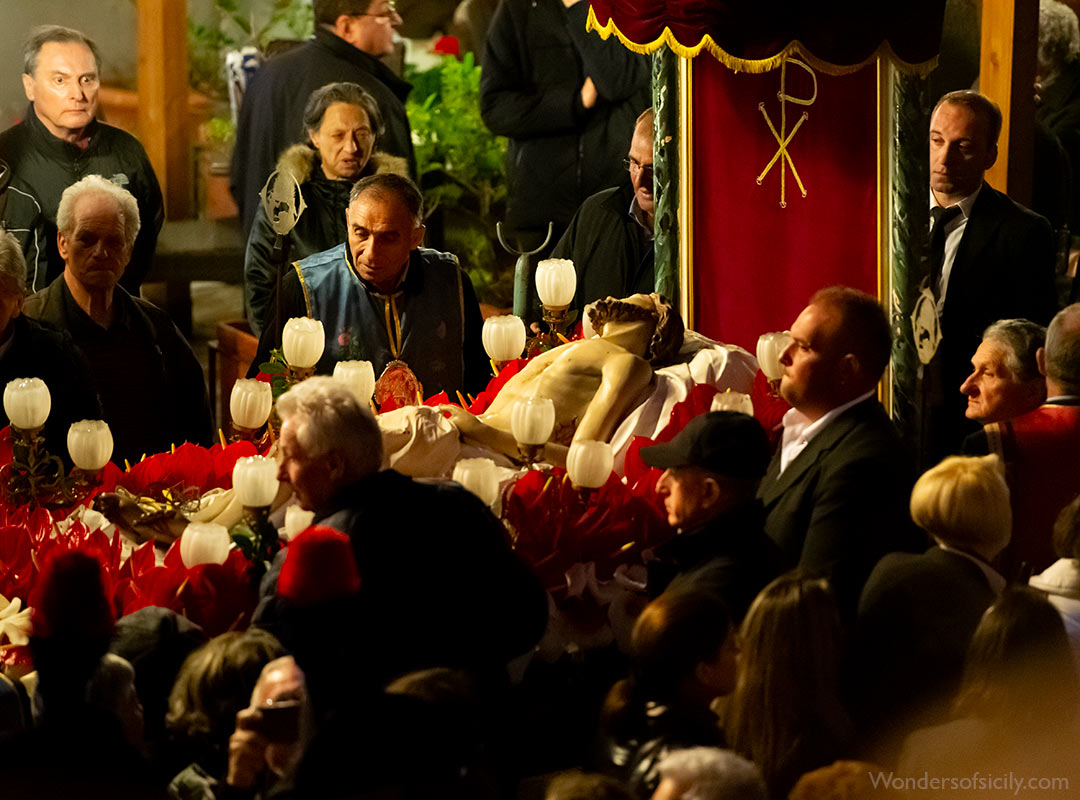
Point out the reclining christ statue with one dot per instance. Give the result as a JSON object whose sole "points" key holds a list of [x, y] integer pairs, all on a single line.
{"points": [[593, 382]]}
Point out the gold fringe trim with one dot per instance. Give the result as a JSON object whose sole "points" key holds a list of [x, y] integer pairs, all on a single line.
{"points": [[756, 66]]}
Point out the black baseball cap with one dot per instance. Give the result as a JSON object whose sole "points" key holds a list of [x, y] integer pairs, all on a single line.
{"points": [[725, 442]]}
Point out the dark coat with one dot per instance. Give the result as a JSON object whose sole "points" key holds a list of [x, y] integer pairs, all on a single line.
{"points": [[272, 114], [155, 394], [42, 166], [612, 253], [440, 585], [537, 57], [1004, 269], [39, 352], [842, 503], [320, 227], [730, 555], [915, 620]]}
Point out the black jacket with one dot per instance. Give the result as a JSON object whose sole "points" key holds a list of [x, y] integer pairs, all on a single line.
{"points": [[272, 114], [612, 253], [38, 352], [320, 227], [1004, 269], [537, 57], [42, 166], [842, 503], [440, 585], [730, 555], [916, 617], [154, 394]]}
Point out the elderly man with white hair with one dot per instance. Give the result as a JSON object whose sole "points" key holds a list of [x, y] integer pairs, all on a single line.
{"points": [[440, 585], [708, 773], [151, 386]]}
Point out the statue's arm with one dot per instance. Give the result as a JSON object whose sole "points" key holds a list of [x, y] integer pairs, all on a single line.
{"points": [[622, 379], [476, 431]]}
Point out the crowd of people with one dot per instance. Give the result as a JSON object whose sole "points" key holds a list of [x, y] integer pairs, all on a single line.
{"points": [[836, 603]]}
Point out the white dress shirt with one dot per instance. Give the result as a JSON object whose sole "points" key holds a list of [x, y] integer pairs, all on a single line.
{"points": [[954, 232], [799, 430]]}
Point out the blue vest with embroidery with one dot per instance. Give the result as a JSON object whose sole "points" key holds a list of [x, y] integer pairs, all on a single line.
{"points": [[430, 307]]}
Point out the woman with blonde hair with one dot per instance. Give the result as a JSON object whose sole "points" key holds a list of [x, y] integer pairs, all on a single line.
{"points": [[785, 714], [918, 611]]}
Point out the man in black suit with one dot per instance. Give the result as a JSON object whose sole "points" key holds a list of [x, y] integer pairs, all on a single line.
{"points": [[990, 258], [836, 492]]}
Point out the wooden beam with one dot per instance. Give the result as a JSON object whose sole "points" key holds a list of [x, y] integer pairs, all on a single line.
{"points": [[163, 98], [1010, 30]]}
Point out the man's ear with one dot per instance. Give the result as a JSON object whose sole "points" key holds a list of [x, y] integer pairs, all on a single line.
{"points": [[850, 369], [710, 492], [991, 157], [62, 245], [418, 236], [335, 466], [342, 26], [28, 86], [1040, 360]]}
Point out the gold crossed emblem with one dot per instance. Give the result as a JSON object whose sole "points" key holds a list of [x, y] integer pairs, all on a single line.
{"points": [[783, 137]]}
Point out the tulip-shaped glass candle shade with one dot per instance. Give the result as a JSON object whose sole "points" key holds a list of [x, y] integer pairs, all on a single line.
{"points": [[589, 463], [359, 376], [556, 282], [27, 403], [255, 481], [733, 401], [250, 404], [297, 520], [504, 338], [204, 543], [532, 420], [480, 477], [90, 444], [302, 342], [770, 346]]}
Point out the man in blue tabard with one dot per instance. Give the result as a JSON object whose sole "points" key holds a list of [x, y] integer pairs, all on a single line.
{"points": [[384, 299]]}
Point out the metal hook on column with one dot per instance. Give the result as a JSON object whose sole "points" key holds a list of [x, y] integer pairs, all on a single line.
{"points": [[522, 271]]}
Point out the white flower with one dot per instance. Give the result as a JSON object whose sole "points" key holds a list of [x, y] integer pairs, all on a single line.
{"points": [[14, 624]]}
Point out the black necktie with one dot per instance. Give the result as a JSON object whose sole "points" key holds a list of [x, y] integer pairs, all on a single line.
{"points": [[942, 217]]}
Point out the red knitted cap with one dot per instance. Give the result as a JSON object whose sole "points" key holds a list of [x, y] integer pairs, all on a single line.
{"points": [[319, 566], [69, 599]]}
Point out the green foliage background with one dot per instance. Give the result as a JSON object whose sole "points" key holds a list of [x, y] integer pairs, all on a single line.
{"points": [[462, 171]]}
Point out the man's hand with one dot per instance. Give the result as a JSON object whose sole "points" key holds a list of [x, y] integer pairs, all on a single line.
{"points": [[247, 750], [569, 3], [588, 92]]}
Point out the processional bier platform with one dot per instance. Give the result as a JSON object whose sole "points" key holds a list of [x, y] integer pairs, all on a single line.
{"points": [[791, 155]]}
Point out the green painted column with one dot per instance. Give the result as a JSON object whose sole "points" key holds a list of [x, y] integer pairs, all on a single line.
{"points": [[665, 84], [909, 221]]}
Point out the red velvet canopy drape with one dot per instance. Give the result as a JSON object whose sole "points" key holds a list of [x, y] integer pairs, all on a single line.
{"points": [[832, 35]]}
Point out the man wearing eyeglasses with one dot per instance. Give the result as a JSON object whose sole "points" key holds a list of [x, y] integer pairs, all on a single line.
{"points": [[610, 238], [350, 38]]}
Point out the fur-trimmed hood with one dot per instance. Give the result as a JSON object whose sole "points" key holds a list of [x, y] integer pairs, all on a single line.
{"points": [[300, 160]]}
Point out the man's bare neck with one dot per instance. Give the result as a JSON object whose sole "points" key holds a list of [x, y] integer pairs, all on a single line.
{"points": [[97, 303]]}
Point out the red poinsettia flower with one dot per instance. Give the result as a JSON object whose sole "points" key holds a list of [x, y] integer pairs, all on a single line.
{"points": [[555, 525], [769, 407], [16, 562], [486, 397], [225, 458], [447, 46]]}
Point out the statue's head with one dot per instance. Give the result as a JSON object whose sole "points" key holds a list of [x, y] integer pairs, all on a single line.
{"points": [[653, 308]]}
